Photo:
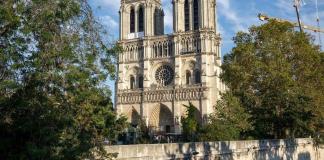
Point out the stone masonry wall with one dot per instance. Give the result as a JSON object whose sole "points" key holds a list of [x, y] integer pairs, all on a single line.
{"points": [[320, 152], [297, 149]]}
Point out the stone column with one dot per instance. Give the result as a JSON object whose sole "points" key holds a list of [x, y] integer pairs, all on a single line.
{"points": [[121, 31], [136, 19], [123, 23], [213, 18], [148, 20], [178, 15], [191, 15]]}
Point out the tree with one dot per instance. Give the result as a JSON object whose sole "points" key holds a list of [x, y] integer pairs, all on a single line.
{"points": [[277, 74], [54, 103], [229, 121], [143, 133], [190, 123]]}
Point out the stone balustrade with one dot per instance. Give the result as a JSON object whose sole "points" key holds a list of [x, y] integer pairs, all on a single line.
{"points": [[166, 94]]}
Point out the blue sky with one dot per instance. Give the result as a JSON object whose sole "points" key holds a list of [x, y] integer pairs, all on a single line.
{"points": [[233, 16]]}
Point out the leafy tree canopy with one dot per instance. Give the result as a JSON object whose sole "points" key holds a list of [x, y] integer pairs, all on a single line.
{"points": [[228, 122], [277, 74], [190, 123], [54, 103]]}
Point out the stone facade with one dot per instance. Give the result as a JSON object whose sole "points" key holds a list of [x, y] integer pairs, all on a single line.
{"points": [[297, 149], [158, 73]]}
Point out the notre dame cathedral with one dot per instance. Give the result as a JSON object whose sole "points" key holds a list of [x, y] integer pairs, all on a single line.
{"points": [[157, 73]]}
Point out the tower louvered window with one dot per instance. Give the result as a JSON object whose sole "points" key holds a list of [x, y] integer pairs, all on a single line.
{"points": [[141, 19], [196, 14], [187, 15], [132, 21]]}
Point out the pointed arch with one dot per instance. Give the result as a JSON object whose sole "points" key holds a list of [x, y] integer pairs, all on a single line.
{"points": [[196, 14], [132, 82], [133, 116], [197, 77], [170, 48], [160, 49], [132, 20], [188, 77], [141, 19], [140, 81], [187, 15], [161, 118]]}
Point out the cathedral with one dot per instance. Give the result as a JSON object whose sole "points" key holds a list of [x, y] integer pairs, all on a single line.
{"points": [[160, 73]]}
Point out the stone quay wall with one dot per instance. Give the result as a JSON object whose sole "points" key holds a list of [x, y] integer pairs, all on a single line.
{"points": [[293, 149]]}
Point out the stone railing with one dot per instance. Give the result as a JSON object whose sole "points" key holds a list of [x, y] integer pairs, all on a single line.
{"points": [[129, 98], [296, 149], [161, 95]]}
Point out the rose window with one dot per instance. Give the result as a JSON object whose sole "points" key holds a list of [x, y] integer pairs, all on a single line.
{"points": [[164, 75]]}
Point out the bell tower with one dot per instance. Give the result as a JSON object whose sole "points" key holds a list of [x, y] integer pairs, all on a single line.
{"points": [[190, 15], [139, 18]]}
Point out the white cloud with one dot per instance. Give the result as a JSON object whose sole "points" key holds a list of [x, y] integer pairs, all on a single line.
{"points": [[285, 7], [109, 21], [111, 4], [111, 25], [230, 14]]}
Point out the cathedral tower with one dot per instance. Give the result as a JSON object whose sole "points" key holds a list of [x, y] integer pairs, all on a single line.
{"points": [[157, 73], [140, 18], [192, 15]]}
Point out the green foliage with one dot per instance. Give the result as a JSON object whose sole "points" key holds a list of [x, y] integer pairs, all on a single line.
{"points": [[143, 133], [190, 123], [277, 74], [54, 103], [228, 122]]}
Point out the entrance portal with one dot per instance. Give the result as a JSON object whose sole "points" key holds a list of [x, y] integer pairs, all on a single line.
{"points": [[161, 119]]}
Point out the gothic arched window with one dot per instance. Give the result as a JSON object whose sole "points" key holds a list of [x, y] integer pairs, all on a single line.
{"points": [[160, 50], [196, 14], [132, 20], [140, 19], [155, 51], [140, 81], [197, 77], [156, 21], [187, 15], [132, 82], [188, 77], [170, 49]]}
